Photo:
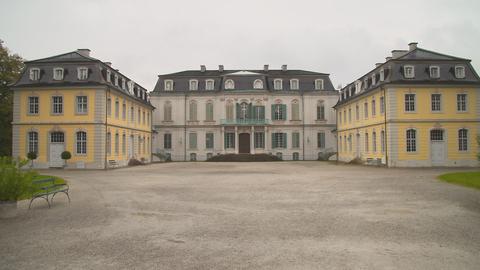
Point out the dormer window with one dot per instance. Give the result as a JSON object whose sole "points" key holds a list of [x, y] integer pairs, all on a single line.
{"points": [[82, 73], [123, 83], [278, 84], [258, 84], [34, 74], [318, 84], [434, 72], [193, 85], [209, 84], [58, 74], [382, 75], [229, 84], [109, 76], [459, 72], [358, 87], [365, 83], [409, 72], [130, 86], [168, 85], [116, 79], [294, 84], [373, 79]]}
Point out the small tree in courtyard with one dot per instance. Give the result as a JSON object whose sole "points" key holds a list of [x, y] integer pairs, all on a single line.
{"points": [[31, 156], [66, 156]]}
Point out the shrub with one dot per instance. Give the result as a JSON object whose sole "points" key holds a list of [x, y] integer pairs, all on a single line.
{"points": [[162, 156], [325, 156], [135, 162], [66, 155], [32, 156], [356, 160], [14, 182]]}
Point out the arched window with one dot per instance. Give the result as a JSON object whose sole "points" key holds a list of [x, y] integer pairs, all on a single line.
{"points": [[295, 110], [258, 84], [33, 142], [209, 111], [411, 140], [229, 84], [167, 111], [462, 139], [193, 85], [294, 84], [81, 143], [321, 110], [193, 111], [277, 84], [229, 111], [243, 110]]}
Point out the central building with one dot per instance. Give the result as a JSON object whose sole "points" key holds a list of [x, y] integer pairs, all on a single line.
{"points": [[201, 113]]}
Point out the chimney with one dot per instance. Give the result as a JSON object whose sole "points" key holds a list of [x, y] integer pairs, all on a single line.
{"points": [[388, 58], [203, 68], [378, 64], [108, 64], [220, 68], [412, 46], [398, 53], [84, 52], [265, 68], [284, 67]]}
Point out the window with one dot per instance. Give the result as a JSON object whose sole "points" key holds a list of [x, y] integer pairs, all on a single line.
{"points": [[279, 111], [143, 145], [229, 140], [167, 141], [373, 79], [374, 141], [209, 142], [209, 111], [382, 141], [411, 140], [295, 110], [124, 83], [296, 156], [117, 108], [109, 76], [57, 137], [435, 72], [349, 115], [366, 143], [33, 142], [243, 112], [33, 105], [229, 111], [295, 140], [209, 155], [34, 74], [168, 85], [124, 144], [436, 135], [109, 106], [229, 84], [408, 72], [209, 84], [382, 75], [108, 142], [350, 142], [462, 102], [117, 141], [340, 144], [436, 102], [82, 106], [365, 110], [138, 116], [409, 102], [294, 84], [116, 79], [374, 107], [340, 117], [193, 111], [132, 114], [192, 140], [58, 74], [167, 111], [344, 116], [57, 104], [193, 157], [259, 140], [82, 73], [321, 110], [124, 110], [279, 155], [459, 72], [321, 140], [258, 84], [462, 139], [319, 84], [278, 84], [357, 112], [143, 117], [382, 105], [279, 140], [259, 112], [193, 85]]}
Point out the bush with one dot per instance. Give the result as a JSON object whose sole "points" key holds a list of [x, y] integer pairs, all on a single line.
{"points": [[325, 156], [135, 162], [356, 160], [66, 155], [243, 158], [14, 182], [162, 156], [32, 155]]}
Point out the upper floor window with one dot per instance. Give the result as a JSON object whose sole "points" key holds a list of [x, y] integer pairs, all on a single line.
{"points": [[374, 107], [109, 76], [168, 85], [382, 105], [435, 72], [409, 102], [82, 73], [295, 110], [57, 104], [58, 74], [130, 86], [462, 102], [167, 111], [382, 75], [33, 105], [318, 84], [34, 74], [294, 84], [409, 72], [357, 112], [82, 104], [459, 72], [116, 79], [209, 111], [124, 82], [436, 102], [373, 79], [279, 112], [229, 111], [258, 84], [278, 84], [124, 110], [209, 84], [365, 110], [193, 111], [229, 84], [193, 85], [321, 110]]}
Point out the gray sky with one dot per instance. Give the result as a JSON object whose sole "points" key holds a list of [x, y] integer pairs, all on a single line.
{"points": [[147, 38]]}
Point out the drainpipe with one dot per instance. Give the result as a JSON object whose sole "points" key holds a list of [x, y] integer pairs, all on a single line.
{"points": [[303, 126], [185, 129], [385, 118]]}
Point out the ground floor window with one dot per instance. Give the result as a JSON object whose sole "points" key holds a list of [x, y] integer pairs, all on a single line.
{"points": [[259, 140], [296, 156], [295, 140], [81, 143], [411, 140], [167, 141], [279, 140], [230, 140], [382, 141], [209, 155], [117, 142], [33, 142], [366, 143], [192, 140], [321, 140], [374, 141], [209, 140], [279, 155], [463, 139], [193, 157], [108, 142]]}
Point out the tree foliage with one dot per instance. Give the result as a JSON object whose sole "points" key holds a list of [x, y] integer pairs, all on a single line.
{"points": [[11, 66]]}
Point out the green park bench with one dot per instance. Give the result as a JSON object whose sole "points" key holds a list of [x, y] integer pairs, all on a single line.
{"points": [[44, 188]]}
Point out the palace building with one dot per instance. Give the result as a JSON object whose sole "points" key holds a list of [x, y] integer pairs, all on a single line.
{"points": [[73, 102], [201, 113], [417, 109]]}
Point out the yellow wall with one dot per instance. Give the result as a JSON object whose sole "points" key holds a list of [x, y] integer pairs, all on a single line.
{"points": [[119, 121]]}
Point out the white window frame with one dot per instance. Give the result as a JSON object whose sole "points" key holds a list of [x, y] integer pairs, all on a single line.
{"points": [[436, 105], [460, 72], [81, 143], [258, 84], [33, 105], [294, 84], [409, 75], [374, 81], [58, 73], [229, 84], [409, 142], [319, 84], [464, 102], [109, 76], [414, 103], [278, 84], [463, 141], [124, 83], [168, 85], [82, 73], [432, 72], [116, 79], [34, 74], [193, 85], [32, 137], [84, 105], [382, 75], [57, 105], [207, 87]]}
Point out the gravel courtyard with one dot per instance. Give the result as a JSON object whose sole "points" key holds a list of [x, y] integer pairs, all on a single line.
{"points": [[283, 215]]}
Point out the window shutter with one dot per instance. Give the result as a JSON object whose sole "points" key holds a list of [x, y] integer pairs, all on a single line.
{"points": [[284, 111], [250, 111], [262, 112], [225, 140], [274, 144], [238, 111], [285, 140]]}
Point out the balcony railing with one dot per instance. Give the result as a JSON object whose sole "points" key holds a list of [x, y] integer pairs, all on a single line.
{"points": [[245, 122]]}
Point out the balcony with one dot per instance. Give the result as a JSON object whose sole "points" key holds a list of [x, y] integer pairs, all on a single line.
{"points": [[245, 122]]}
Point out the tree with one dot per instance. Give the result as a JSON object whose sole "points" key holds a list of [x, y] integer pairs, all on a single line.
{"points": [[478, 142], [11, 66], [66, 156]]}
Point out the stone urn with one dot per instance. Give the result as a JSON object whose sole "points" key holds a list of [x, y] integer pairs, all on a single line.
{"points": [[8, 209]]}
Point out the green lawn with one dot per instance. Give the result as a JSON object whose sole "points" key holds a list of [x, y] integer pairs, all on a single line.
{"points": [[58, 180], [468, 179]]}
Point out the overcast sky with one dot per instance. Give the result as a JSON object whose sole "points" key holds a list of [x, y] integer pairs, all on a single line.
{"points": [[146, 38]]}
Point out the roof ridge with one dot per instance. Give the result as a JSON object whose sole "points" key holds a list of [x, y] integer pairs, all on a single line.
{"points": [[63, 54], [433, 52]]}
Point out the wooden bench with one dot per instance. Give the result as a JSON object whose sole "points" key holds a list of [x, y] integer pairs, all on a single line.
{"points": [[44, 188]]}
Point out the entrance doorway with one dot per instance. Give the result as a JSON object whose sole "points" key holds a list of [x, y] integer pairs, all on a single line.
{"points": [[244, 143], [57, 146], [437, 147]]}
